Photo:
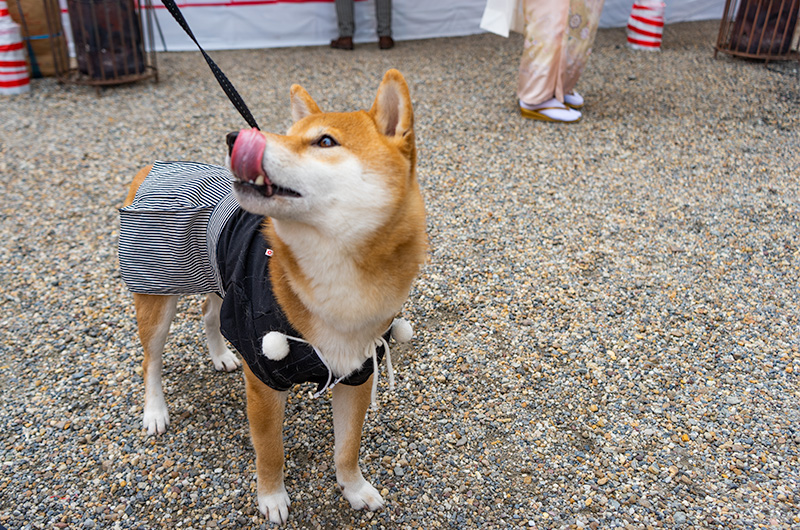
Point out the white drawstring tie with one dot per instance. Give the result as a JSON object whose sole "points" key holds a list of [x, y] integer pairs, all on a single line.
{"points": [[387, 357], [275, 347]]}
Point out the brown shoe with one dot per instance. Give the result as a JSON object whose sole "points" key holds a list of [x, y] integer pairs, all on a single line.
{"points": [[385, 43], [342, 43]]}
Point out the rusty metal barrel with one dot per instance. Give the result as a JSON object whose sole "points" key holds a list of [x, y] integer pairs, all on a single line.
{"points": [[109, 42], [759, 29]]}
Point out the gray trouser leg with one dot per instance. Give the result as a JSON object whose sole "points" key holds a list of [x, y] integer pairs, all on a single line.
{"points": [[383, 12], [344, 15]]}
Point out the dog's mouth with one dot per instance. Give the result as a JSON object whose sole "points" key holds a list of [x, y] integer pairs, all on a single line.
{"points": [[246, 149], [265, 190]]}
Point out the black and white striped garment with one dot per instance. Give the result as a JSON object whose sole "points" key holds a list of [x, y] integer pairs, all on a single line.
{"points": [[168, 235]]}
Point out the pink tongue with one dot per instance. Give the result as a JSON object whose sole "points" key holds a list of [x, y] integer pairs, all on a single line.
{"points": [[247, 155]]}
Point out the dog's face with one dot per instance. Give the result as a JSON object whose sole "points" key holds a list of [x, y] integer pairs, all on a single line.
{"points": [[344, 171]]}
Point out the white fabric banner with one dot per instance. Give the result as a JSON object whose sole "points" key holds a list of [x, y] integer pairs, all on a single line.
{"points": [[616, 12], [232, 24], [223, 24]]}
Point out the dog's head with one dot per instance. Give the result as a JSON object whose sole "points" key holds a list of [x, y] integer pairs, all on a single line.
{"points": [[345, 170]]}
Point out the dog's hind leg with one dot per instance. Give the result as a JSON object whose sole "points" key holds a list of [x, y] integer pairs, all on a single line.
{"points": [[265, 410], [223, 358], [350, 405], [154, 314]]}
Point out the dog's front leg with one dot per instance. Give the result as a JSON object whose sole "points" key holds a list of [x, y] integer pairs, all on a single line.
{"points": [[350, 404], [223, 358], [265, 410]]}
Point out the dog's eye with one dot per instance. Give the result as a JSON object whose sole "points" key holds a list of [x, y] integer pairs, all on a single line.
{"points": [[326, 141]]}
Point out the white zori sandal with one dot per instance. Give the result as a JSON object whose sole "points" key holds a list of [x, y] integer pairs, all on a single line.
{"points": [[573, 100], [551, 110]]}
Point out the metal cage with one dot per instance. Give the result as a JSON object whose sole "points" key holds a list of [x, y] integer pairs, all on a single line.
{"points": [[759, 29], [109, 41]]}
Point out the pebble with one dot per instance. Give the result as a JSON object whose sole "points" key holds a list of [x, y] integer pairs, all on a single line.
{"points": [[606, 328]]}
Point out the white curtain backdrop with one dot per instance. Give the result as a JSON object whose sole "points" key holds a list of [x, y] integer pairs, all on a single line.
{"points": [[236, 24], [615, 12]]}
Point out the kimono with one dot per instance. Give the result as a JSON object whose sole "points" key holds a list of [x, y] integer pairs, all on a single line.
{"points": [[559, 35]]}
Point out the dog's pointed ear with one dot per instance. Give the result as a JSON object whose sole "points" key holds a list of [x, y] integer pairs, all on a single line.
{"points": [[302, 104], [392, 107]]}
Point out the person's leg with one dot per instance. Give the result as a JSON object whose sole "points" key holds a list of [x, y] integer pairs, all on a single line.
{"points": [[542, 62], [345, 18], [583, 20], [347, 25], [539, 87], [383, 14]]}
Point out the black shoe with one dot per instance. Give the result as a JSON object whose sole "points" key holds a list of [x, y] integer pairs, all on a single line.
{"points": [[385, 43], [342, 43]]}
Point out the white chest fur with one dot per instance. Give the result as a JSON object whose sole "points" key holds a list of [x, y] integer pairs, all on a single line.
{"points": [[349, 311]]}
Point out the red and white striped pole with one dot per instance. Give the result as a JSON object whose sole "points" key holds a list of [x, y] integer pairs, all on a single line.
{"points": [[646, 25], [14, 77]]}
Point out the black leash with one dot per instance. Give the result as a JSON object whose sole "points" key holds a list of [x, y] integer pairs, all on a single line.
{"points": [[223, 81]]}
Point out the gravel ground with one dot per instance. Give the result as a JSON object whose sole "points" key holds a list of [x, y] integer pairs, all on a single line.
{"points": [[607, 328]]}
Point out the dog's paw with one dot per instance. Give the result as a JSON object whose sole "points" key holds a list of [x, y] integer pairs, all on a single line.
{"points": [[155, 419], [362, 495], [275, 506], [227, 361]]}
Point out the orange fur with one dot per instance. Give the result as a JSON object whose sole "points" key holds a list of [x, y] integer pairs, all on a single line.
{"points": [[151, 311], [137, 181], [265, 409], [390, 259]]}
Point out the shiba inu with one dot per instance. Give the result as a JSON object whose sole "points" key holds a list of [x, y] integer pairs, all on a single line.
{"points": [[307, 249]]}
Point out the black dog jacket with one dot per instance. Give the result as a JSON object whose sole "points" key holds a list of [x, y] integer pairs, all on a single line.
{"points": [[185, 233]]}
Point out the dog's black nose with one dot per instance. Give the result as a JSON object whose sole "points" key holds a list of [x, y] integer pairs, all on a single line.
{"points": [[231, 139]]}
